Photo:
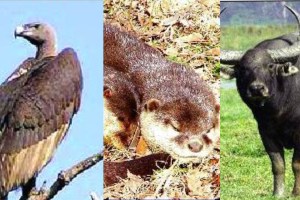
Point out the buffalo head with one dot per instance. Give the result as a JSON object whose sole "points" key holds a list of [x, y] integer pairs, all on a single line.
{"points": [[260, 70]]}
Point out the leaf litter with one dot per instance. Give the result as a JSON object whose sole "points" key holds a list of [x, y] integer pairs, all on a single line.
{"points": [[188, 32]]}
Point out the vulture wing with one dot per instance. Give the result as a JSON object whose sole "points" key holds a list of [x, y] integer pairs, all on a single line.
{"points": [[39, 103], [22, 69], [11, 89]]}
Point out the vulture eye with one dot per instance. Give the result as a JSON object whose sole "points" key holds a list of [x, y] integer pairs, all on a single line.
{"points": [[36, 26]]}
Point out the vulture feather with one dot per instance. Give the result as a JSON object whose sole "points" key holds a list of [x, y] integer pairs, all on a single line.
{"points": [[37, 103]]}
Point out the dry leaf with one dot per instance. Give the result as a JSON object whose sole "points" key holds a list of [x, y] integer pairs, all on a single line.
{"points": [[171, 51], [185, 23], [170, 21], [194, 37], [213, 161], [133, 182], [134, 178], [216, 180], [213, 52], [208, 3], [142, 148]]}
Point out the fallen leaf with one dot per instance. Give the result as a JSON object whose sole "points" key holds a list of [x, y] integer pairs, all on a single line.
{"points": [[170, 21], [184, 22], [194, 37], [213, 52], [213, 161], [208, 3], [171, 51], [142, 147]]}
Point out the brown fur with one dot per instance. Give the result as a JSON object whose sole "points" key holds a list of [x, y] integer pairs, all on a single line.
{"points": [[145, 166], [182, 95], [123, 101]]}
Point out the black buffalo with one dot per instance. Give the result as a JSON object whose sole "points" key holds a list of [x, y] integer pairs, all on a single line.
{"points": [[268, 81]]}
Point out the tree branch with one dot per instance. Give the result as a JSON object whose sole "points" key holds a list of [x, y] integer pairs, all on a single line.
{"points": [[65, 177], [94, 196]]}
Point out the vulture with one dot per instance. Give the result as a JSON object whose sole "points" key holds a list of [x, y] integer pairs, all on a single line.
{"points": [[37, 104]]}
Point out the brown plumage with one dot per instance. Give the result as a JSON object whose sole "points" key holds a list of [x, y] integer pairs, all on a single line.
{"points": [[36, 109]]}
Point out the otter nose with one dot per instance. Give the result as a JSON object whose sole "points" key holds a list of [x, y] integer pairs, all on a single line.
{"points": [[195, 146]]}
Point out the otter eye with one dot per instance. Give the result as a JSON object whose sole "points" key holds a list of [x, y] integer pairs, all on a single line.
{"points": [[175, 126], [172, 123]]}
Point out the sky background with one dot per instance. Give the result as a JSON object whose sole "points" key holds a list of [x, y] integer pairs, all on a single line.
{"points": [[78, 25]]}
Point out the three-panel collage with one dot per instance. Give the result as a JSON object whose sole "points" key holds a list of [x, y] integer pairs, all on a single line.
{"points": [[149, 99]]}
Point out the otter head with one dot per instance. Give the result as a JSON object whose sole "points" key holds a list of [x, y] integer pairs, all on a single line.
{"points": [[184, 129]]}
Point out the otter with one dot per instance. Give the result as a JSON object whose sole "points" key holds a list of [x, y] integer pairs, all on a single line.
{"points": [[121, 104], [179, 114]]}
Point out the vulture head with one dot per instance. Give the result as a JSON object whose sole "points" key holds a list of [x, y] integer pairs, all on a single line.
{"points": [[40, 35]]}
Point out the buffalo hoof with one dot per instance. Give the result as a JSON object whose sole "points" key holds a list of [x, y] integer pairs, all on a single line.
{"points": [[278, 193]]}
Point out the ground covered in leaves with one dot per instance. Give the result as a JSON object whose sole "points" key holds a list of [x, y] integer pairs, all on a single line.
{"points": [[185, 31]]}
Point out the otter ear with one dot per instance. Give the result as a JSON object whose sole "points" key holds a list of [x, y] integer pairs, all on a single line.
{"points": [[287, 69], [152, 105], [107, 92]]}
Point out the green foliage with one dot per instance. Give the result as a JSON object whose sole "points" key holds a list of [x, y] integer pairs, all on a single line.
{"points": [[216, 70], [245, 166]]}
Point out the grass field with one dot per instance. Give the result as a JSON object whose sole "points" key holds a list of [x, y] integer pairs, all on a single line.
{"points": [[245, 166], [245, 37]]}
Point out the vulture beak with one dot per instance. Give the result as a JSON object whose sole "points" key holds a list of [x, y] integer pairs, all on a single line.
{"points": [[21, 31], [18, 31]]}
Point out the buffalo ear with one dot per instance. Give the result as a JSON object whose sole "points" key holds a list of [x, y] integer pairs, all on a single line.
{"points": [[227, 72], [152, 105], [287, 69]]}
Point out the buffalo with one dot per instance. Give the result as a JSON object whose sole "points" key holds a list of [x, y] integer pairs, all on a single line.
{"points": [[268, 81]]}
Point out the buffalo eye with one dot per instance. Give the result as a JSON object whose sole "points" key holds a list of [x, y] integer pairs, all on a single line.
{"points": [[271, 66]]}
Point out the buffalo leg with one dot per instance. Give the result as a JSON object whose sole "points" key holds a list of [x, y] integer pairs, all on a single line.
{"points": [[296, 170], [276, 154]]}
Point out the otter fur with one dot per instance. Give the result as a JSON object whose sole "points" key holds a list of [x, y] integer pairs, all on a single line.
{"points": [[121, 104], [179, 114]]}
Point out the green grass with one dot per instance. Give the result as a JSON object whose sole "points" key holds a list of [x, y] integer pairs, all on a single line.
{"points": [[245, 166], [245, 37]]}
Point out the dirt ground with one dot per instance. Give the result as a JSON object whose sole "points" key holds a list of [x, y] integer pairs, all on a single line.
{"points": [[188, 32]]}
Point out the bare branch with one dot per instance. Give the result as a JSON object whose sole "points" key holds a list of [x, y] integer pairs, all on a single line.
{"points": [[65, 177], [94, 196]]}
